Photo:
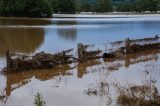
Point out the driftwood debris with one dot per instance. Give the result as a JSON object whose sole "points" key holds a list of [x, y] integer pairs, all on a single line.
{"points": [[38, 61], [46, 61]]}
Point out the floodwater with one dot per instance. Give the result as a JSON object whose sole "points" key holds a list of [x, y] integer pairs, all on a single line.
{"points": [[67, 85]]}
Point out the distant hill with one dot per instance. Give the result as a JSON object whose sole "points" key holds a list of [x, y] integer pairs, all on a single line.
{"points": [[119, 1], [87, 1], [122, 1], [113, 1]]}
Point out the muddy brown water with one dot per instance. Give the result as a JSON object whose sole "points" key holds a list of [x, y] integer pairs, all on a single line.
{"points": [[67, 85]]}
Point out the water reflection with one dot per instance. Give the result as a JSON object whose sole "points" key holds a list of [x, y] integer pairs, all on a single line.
{"points": [[103, 89], [67, 33], [24, 40], [17, 80], [83, 66], [23, 21], [133, 59]]}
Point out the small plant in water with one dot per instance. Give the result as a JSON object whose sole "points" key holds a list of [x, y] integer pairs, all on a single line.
{"points": [[39, 100]]}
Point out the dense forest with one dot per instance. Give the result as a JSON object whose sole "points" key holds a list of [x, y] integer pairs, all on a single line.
{"points": [[138, 6], [45, 8], [27, 8], [119, 5]]}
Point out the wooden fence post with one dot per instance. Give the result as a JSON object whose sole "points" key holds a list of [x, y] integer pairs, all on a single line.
{"points": [[80, 50], [127, 45], [9, 61], [156, 38]]}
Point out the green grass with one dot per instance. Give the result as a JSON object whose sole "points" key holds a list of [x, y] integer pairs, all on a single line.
{"points": [[38, 100]]}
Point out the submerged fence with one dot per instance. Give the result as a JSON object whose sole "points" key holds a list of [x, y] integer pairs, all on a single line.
{"points": [[45, 60]]}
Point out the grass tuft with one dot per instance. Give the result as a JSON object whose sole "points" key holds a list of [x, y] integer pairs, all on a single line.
{"points": [[39, 100], [146, 95]]}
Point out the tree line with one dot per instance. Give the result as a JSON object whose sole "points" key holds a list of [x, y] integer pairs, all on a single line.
{"points": [[139, 6], [45, 8], [73, 6], [121, 6], [25, 8]]}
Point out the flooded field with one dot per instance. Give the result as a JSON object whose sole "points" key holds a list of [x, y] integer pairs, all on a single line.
{"points": [[93, 83]]}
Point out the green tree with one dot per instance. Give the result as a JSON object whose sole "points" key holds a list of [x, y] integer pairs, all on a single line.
{"points": [[104, 5], [37, 8], [86, 7], [55, 4], [25, 8], [152, 5], [125, 7], [67, 6], [139, 6]]}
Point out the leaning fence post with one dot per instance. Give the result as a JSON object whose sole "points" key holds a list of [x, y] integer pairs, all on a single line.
{"points": [[80, 50], [9, 61], [156, 38], [127, 45]]}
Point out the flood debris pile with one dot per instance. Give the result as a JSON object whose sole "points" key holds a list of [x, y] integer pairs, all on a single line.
{"points": [[46, 61], [129, 46], [38, 61]]}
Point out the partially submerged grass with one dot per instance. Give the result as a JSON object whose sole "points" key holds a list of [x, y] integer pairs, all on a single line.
{"points": [[38, 100], [146, 95], [126, 100], [91, 92], [101, 90]]}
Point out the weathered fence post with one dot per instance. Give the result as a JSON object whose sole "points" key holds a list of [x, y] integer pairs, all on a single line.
{"points": [[9, 61], [80, 50], [127, 45], [156, 38]]}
